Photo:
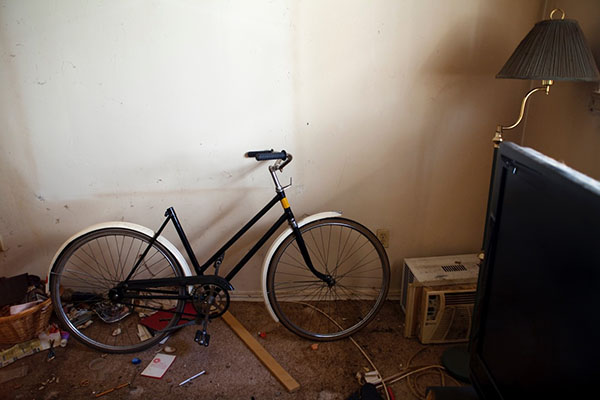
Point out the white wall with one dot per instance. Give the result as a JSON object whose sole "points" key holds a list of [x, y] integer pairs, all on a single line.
{"points": [[117, 110]]}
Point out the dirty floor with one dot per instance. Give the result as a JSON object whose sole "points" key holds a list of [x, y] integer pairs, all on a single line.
{"points": [[232, 371]]}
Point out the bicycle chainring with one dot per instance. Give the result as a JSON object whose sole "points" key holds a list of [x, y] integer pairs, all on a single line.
{"points": [[210, 298]]}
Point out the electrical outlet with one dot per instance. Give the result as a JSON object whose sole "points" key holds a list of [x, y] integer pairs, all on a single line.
{"points": [[384, 237]]}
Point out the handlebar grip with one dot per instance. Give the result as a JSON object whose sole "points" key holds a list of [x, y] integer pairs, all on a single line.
{"points": [[278, 155], [263, 155], [252, 154]]}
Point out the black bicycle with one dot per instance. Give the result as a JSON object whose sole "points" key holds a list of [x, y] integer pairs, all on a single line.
{"points": [[120, 287]]}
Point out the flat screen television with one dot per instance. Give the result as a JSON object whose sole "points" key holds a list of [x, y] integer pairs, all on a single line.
{"points": [[536, 324]]}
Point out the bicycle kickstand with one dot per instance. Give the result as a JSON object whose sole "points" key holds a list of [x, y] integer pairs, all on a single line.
{"points": [[202, 337]]}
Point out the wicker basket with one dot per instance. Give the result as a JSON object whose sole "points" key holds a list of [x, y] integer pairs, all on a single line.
{"points": [[25, 325]]}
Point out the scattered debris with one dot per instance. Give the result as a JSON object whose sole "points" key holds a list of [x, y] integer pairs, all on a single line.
{"points": [[159, 365], [84, 382], [79, 317], [314, 346], [372, 377], [51, 354], [64, 337], [87, 323], [169, 349], [191, 378], [262, 334], [28, 348], [117, 332], [109, 312], [136, 361], [164, 340], [143, 333], [112, 389], [22, 307]]}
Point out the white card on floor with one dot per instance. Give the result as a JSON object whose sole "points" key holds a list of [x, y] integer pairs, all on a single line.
{"points": [[159, 365]]}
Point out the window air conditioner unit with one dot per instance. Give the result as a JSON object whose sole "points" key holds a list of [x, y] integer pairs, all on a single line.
{"points": [[418, 273], [445, 315]]}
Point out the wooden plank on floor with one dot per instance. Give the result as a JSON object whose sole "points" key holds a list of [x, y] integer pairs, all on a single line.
{"points": [[261, 353]]}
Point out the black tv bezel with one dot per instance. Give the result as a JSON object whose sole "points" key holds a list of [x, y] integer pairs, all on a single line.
{"points": [[509, 157]]}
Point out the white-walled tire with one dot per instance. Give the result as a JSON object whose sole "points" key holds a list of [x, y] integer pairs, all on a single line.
{"points": [[355, 259], [93, 263]]}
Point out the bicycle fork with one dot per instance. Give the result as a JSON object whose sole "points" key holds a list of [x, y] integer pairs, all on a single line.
{"points": [[328, 279], [295, 229]]}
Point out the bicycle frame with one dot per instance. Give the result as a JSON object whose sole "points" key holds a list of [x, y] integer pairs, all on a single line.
{"points": [[218, 256]]}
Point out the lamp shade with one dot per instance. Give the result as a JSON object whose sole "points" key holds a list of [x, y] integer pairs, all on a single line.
{"points": [[555, 49]]}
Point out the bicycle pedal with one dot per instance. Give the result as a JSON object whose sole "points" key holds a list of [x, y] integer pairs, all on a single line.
{"points": [[205, 340], [202, 338]]}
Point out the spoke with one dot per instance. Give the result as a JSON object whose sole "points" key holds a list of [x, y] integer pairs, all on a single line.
{"points": [[97, 269], [77, 273], [296, 285], [353, 252], [359, 266], [355, 293], [342, 249], [300, 275], [318, 252], [119, 254], [111, 257], [126, 258], [298, 266], [103, 257]]}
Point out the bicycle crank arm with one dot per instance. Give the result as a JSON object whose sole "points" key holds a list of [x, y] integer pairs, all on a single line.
{"points": [[176, 327]]}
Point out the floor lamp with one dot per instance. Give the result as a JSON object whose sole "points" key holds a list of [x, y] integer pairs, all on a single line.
{"points": [[554, 50]]}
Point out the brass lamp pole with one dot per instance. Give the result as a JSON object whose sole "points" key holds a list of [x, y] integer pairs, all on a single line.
{"points": [[500, 128]]}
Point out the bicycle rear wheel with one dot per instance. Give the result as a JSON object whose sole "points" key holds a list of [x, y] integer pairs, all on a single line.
{"points": [[355, 259], [93, 264]]}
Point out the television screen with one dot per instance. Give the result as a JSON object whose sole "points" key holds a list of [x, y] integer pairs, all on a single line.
{"points": [[537, 317]]}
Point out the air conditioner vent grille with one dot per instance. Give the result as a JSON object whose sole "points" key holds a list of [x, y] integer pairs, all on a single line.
{"points": [[454, 268], [459, 298]]}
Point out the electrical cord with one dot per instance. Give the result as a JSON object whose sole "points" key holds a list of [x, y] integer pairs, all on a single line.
{"points": [[415, 373], [422, 370], [382, 385]]}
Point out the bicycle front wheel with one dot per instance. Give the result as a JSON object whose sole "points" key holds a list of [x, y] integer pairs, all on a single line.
{"points": [[96, 262], [356, 261]]}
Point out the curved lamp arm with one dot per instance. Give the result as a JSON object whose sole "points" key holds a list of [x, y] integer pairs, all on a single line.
{"points": [[500, 129]]}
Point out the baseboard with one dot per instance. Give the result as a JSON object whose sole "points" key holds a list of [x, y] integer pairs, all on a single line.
{"points": [[257, 295]]}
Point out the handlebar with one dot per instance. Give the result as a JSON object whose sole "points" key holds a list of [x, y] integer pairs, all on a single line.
{"points": [[265, 155]]}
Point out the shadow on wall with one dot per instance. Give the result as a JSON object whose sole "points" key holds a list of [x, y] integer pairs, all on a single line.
{"points": [[441, 209], [454, 148]]}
